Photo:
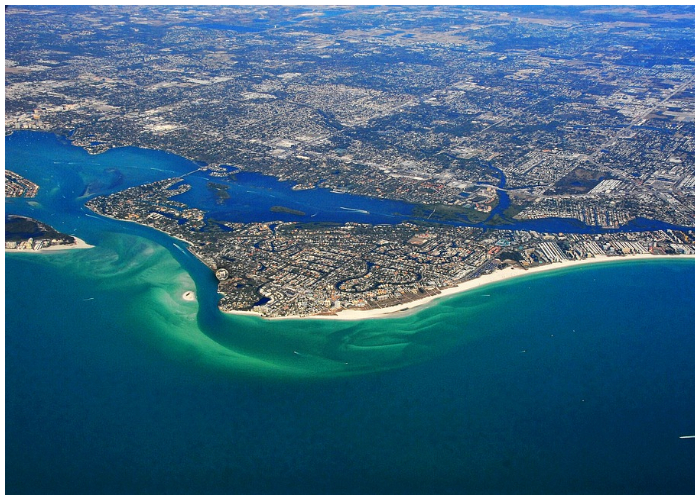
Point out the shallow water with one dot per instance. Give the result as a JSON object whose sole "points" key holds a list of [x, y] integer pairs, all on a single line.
{"points": [[574, 381]]}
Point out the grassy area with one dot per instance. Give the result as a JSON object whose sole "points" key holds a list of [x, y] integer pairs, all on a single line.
{"points": [[506, 218], [513, 210], [447, 213], [498, 220], [308, 226]]}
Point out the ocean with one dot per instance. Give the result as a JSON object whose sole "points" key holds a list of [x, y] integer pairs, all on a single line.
{"points": [[573, 381]]}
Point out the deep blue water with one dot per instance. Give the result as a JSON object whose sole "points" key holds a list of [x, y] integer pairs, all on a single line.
{"points": [[575, 381], [79, 176], [253, 195]]}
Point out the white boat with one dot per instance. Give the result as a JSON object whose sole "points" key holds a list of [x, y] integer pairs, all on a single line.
{"points": [[355, 210]]}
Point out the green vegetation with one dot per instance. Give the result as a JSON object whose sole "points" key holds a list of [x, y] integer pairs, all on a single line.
{"points": [[498, 220], [454, 213], [507, 217], [18, 228], [510, 255], [308, 226], [213, 226], [578, 181], [220, 191], [284, 210], [513, 210]]}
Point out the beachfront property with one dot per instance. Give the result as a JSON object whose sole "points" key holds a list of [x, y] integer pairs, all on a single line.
{"points": [[288, 269]]}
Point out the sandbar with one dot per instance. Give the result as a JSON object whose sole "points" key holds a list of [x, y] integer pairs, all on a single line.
{"points": [[189, 296], [485, 279]]}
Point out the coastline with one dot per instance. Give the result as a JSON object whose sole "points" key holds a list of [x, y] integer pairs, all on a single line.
{"points": [[189, 243], [411, 307], [486, 279], [79, 244]]}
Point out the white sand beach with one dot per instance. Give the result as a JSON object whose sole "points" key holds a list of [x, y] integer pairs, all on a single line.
{"points": [[486, 279], [79, 244]]}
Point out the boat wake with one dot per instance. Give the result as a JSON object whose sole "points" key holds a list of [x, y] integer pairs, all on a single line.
{"points": [[355, 210]]}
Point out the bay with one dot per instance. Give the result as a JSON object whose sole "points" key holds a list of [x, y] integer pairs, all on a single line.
{"points": [[578, 381]]}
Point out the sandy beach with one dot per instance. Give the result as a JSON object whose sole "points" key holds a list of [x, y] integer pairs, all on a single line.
{"points": [[486, 279], [53, 248]]}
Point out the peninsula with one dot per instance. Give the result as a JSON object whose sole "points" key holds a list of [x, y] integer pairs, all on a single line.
{"points": [[290, 269], [24, 234], [488, 121], [17, 186]]}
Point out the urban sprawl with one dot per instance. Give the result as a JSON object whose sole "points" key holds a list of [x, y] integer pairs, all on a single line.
{"points": [[287, 268], [585, 113]]}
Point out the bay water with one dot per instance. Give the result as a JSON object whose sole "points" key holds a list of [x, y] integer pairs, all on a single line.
{"points": [[572, 381]]}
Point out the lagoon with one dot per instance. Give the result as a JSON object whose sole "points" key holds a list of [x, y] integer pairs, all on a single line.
{"points": [[115, 384]]}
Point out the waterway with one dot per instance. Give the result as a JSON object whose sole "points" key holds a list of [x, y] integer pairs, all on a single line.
{"points": [[115, 384]]}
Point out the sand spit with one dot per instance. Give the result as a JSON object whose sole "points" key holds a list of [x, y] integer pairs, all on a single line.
{"points": [[79, 244]]}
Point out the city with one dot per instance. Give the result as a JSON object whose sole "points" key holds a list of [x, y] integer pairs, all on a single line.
{"points": [[281, 269], [17, 186], [572, 113], [350, 249]]}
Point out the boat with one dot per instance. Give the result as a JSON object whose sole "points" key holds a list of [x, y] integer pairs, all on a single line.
{"points": [[355, 210]]}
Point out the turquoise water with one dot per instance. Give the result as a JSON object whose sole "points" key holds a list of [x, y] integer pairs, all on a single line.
{"points": [[576, 381]]}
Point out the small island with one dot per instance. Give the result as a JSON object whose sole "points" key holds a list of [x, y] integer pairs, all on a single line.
{"points": [[24, 234], [284, 210]]}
